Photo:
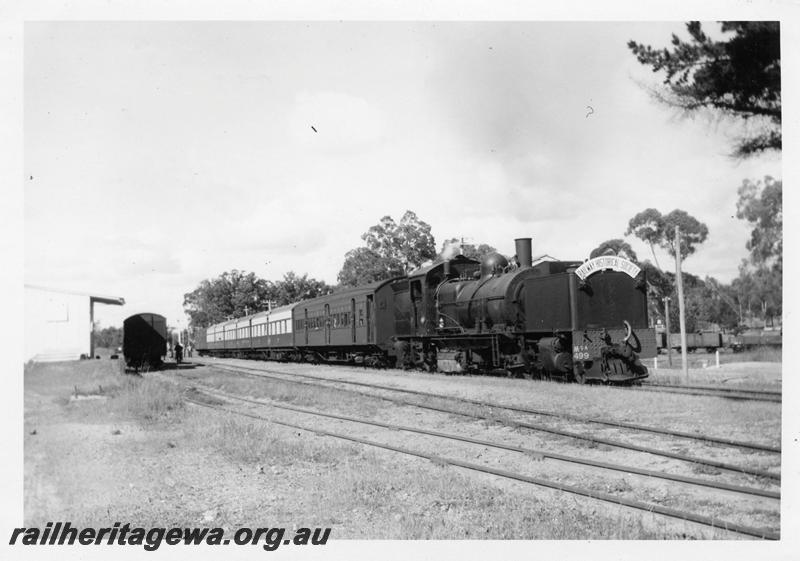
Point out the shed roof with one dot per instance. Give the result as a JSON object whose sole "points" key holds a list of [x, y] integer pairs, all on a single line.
{"points": [[114, 300]]}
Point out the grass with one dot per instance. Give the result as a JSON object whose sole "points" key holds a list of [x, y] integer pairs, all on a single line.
{"points": [[762, 354], [325, 399], [366, 493], [746, 376], [424, 501], [146, 400], [246, 442], [129, 397], [60, 379], [701, 359]]}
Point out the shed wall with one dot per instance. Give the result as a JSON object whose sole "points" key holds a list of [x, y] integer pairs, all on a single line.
{"points": [[57, 325]]}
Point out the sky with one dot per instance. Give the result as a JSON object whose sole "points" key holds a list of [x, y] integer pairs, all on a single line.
{"points": [[159, 154]]}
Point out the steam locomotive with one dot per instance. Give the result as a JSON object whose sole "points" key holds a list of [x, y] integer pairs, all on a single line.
{"points": [[580, 321]]}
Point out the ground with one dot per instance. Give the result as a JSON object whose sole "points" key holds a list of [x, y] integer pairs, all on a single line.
{"points": [[102, 447]]}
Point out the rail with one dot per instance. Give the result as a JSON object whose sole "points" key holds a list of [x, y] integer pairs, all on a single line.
{"points": [[441, 460], [521, 424]]}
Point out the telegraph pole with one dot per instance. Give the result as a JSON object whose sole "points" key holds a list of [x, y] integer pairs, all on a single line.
{"points": [[681, 306], [667, 300]]}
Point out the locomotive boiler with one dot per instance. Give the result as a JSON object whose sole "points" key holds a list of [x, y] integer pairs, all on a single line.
{"points": [[579, 321]]}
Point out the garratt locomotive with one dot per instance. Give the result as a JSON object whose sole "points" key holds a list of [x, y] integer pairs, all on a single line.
{"points": [[581, 321]]}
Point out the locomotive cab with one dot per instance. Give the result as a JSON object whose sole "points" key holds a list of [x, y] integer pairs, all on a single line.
{"points": [[415, 297]]}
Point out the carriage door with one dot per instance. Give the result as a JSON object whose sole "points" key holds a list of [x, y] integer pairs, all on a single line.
{"points": [[327, 324], [353, 319], [370, 327], [305, 324]]}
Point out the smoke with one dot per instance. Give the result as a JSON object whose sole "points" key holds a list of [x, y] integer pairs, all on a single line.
{"points": [[451, 249]]}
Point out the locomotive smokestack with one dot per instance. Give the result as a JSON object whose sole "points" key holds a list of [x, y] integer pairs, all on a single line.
{"points": [[524, 255]]}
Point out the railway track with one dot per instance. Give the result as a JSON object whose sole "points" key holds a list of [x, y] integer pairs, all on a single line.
{"points": [[717, 388], [330, 383], [211, 399], [528, 451], [711, 391], [740, 394], [519, 409]]}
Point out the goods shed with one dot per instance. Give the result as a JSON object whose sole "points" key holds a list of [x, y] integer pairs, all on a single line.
{"points": [[58, 323]]}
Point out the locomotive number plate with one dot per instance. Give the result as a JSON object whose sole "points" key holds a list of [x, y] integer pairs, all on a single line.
{"points": [[580, 352]]}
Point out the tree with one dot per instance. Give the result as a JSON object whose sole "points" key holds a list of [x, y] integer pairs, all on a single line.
{"points": [[294, 288], [615, 247], [730, 314], [705, 306], [232, 294], [760, 288], [761, 204], [108, 337], [410, 242], [237, 294], [739, 77], [648, 226], [391, 249], [453, 246], [760, 281], [363, 266], [657, 229]]}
